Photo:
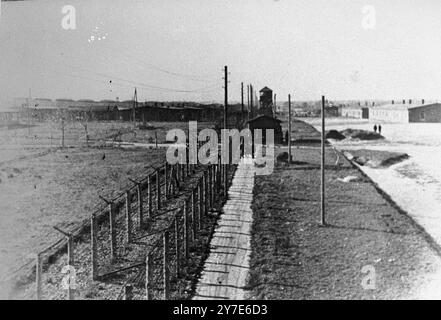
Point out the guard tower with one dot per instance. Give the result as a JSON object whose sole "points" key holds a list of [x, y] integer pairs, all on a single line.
{"points": [[266, 102]]}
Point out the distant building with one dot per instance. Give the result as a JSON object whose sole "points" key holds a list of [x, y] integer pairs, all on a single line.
{"points": [[264, 122], [332, 111], [352, 112], [407, 112]]}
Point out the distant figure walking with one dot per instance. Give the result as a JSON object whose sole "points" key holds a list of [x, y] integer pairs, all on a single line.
{"points": [[375, 128], [379, 128]]}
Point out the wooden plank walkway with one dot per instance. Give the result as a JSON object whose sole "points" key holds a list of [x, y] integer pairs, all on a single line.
{"points": [[226, 268]]}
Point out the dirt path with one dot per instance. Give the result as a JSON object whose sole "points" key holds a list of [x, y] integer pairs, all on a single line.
{"points": [[226, 269]]}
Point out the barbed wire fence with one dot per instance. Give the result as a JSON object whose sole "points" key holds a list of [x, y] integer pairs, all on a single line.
{"points": [[145, 233]]}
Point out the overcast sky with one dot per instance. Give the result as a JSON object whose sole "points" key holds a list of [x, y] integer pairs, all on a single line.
{"points": [[176, 49]]}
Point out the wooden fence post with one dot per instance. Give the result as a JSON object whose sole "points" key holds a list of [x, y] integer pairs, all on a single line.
{"points": [[203, 212], [70, 263], [177, 246], [158, 190], [201, 206], [93, 246], [215, 182], [187, 156], [149, 196], [186, 242], [165, 181], [226, 180], [209, 185], [171, 181], [128, 218], [148, 276], [112, 231], [221, 173], [193, 211], [166, 269], [38, 271], [206, 193], [128, 292], [140, 211], [218, 180], [210, 182]]}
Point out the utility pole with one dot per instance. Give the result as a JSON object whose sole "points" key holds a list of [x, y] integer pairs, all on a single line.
{"points": [[251, 100], [289, 128], [226, 143], [135, 102], [241, 94], [248, 101], [275, 104], [322, 215]]}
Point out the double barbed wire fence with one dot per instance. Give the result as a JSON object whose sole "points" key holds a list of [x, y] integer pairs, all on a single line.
{"points": [[147, 239]]}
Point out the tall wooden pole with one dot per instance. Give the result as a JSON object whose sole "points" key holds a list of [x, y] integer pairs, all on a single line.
{"points": [[322, 215], [226, 96], [241, 94], [248, 101], [289, 129], [275, 105], [226, 143], [251, 101]]}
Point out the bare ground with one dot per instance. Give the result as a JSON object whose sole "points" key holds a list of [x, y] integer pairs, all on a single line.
{"points": [[42, 185], [293, 257]]}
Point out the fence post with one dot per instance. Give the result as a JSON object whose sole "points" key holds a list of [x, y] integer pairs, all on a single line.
{"points": [[206, 193], [38, 270], [158, 190], [193, 212], [210, 183], [166, 269], [93, 245], [221, 174], [215, 180], [128, 292], [187, 158], [140, 211], [149, 196], [128, 218], [165, 181], [177, 246], [201, 207], [70, 263], [216, 195], [186, 242], [148, 276], [181, 172], [218, 182], [112, 231]]}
